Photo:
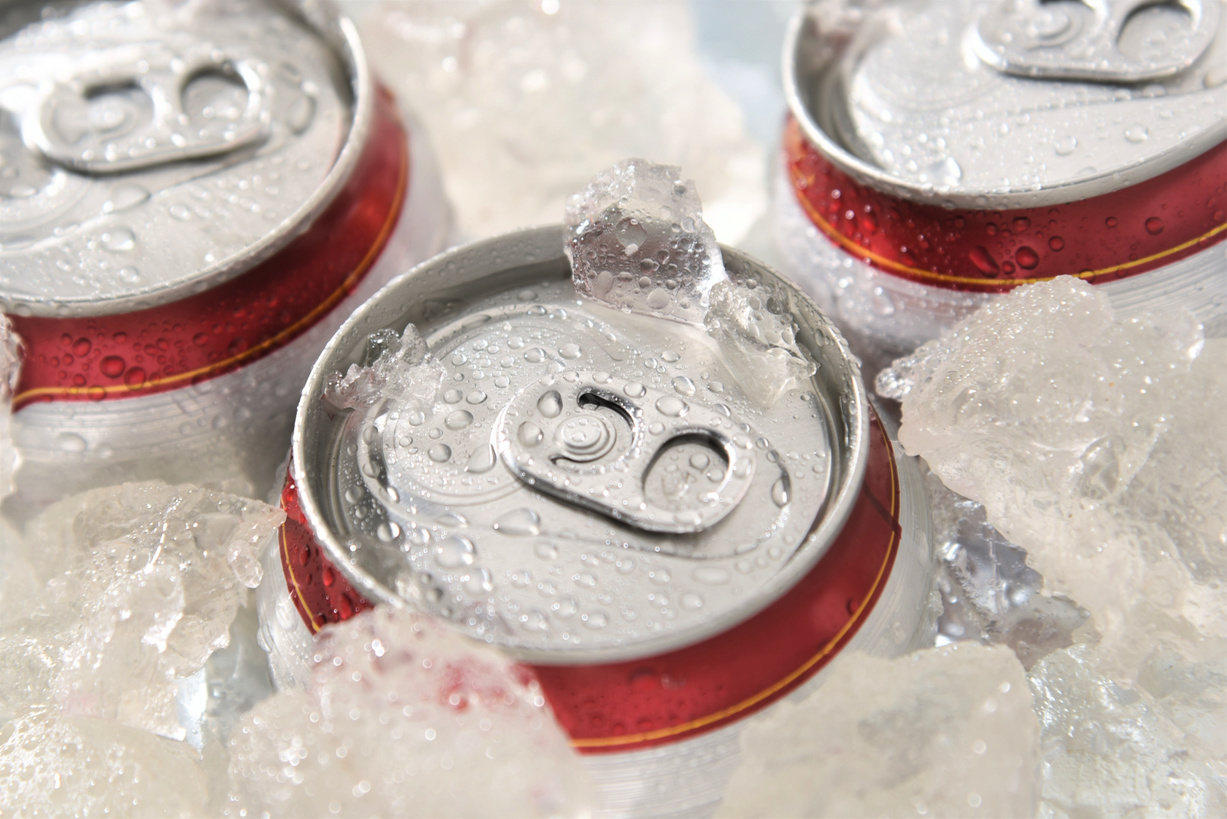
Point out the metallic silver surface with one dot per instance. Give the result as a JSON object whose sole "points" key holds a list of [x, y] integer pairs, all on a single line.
{"points": [[236, 425], [155, 149], [900, 99], [1085, 40], [417, 509]]}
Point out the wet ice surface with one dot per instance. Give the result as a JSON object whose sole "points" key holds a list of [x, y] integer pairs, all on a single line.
{"points": [[524, 100], [404, 717], [637, 242], [399, 367], [127, 663], [115, 600], [1090, 442], [943, 732]]}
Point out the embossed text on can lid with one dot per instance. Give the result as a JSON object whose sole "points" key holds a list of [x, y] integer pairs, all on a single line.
{"points": [[1014, 103], [574, 483], [152, 150]]}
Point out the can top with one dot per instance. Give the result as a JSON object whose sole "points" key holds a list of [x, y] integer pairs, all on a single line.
{"points": [[572, 482], [155, 149], [1015, 103]]}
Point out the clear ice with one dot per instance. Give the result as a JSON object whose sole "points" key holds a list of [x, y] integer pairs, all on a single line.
{"points": [[757, 335], [942, 732], [392, 367], [524, 99], [637, 242], [403, 717], [1094, 443]]}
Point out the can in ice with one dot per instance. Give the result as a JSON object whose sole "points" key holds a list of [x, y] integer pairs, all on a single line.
{"points": [[943, 151], [594, 492], [192, 198]]}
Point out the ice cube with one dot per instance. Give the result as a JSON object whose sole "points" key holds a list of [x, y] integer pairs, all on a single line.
{"points": [[132, 588], [393, 367], [403, 717], [943, 732], [52, 765], [1108, 751], [10, 369], [757, 335], [1093, 443], [637, 242], [524, 100]]}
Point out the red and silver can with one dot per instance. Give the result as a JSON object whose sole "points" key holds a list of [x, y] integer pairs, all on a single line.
{"points": [[944, 151], [594, 492], [192, 198]]}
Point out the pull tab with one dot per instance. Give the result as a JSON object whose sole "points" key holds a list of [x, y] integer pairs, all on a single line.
{"points": [[148, 124], [584, 443], [1080, 39]]}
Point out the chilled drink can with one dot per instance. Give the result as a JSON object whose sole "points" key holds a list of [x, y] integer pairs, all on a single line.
{"points": [[192, 198], [599, 494], [941, 152]]}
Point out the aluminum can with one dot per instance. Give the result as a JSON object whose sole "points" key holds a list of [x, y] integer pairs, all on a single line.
{"points": [[555, 502], [193, 197], [938, 153]]}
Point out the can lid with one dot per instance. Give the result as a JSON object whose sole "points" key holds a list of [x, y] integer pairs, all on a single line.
{"points": [[152, 150], [575, 483], [1020, 104]]}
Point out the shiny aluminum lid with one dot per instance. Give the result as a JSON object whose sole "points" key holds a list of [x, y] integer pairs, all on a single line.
{"points": [[572, 482], [152, 149], [1010, 103]]}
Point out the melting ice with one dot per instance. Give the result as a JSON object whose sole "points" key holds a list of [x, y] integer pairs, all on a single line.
{"points": [[1095, 444], [638, 243]]}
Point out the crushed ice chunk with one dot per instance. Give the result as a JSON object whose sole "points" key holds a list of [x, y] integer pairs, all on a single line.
{"points": [[1093, 444], [1110, 751], [403, 717], [392, 367], [131, 589], [757, 336], [943, 732], [51, 765], [10, 370], [522, 100], [637, 242], [989, 593]]}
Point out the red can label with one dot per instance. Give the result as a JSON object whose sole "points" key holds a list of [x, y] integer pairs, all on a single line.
{"points": [[1113, 236], [672, 696], [224, 328]]}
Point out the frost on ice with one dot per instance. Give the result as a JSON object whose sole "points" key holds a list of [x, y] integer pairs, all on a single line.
{"points": [[943, 732], [1096, 445], [637, 242], [403, 717], [120, 594], [392, 366]]}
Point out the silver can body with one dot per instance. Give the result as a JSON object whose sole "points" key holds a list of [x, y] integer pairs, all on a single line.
{"points": [[189, 216], [550, 499]]}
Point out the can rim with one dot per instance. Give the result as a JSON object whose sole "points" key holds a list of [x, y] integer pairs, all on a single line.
{"points": [[340, 34], [801, 63], [543, 246]]}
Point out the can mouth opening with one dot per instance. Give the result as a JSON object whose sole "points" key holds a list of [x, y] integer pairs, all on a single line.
{"points": [[436, 293], [814, 69]]}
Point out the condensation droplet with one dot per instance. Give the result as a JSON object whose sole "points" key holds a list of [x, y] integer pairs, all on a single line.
{"points": [[519, 523]]}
